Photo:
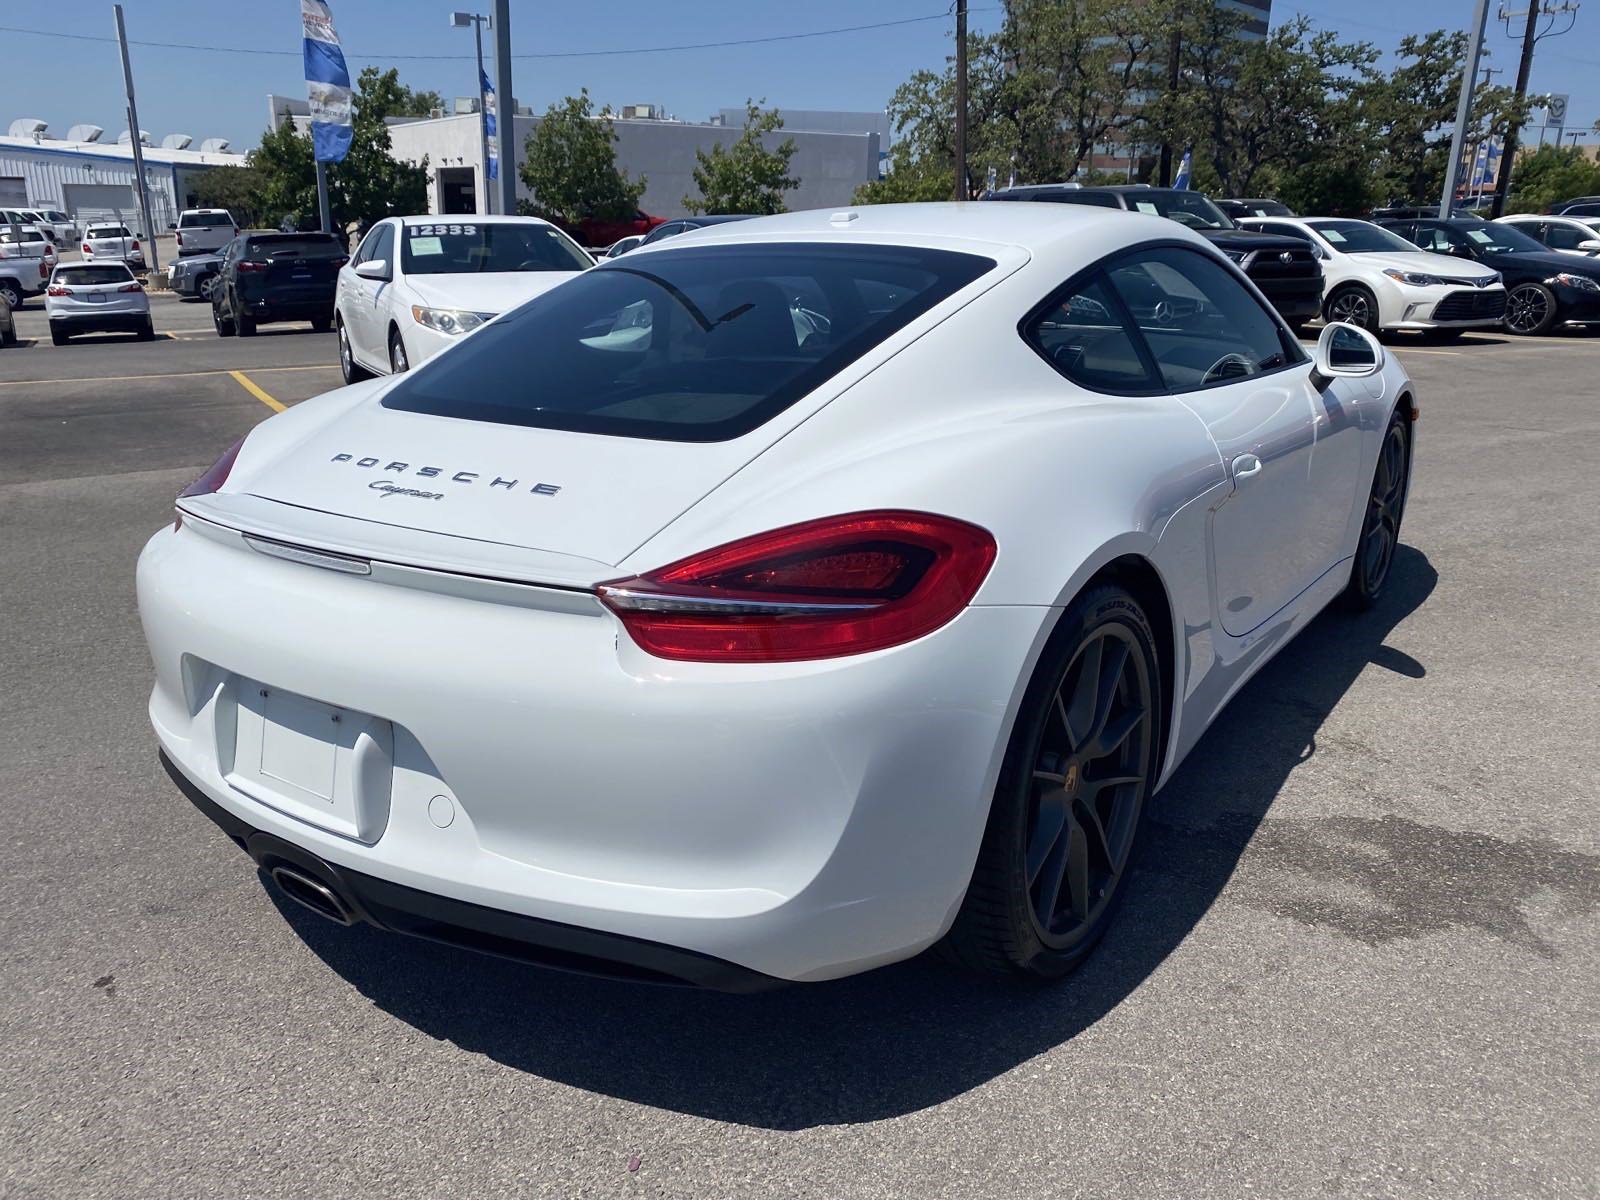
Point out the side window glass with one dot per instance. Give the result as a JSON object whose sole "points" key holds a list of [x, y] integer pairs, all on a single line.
{"points": [[384, 247], [1560, 237], [1199, 322], [1084, 335], [364, 251]]}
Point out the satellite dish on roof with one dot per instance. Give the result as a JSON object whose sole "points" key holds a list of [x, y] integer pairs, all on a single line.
{"points": [[176, 141], [126, 139], [214, 146], [84, 133], [29, 127]]}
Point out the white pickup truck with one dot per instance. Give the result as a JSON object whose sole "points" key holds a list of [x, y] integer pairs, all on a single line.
{"points": [[205, 230], [26, 260], [114, 243]]}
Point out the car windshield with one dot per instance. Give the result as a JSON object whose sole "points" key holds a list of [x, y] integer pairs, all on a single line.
{"points": [[1187, 208], [488, 248], [697, 344], [97, 273], [1362, 237], [294, 245], [1494, 238], [192, 220]]}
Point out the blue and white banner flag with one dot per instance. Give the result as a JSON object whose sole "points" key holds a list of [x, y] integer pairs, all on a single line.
{"points": [[490, 125], [327, 83], [1181, 183]]}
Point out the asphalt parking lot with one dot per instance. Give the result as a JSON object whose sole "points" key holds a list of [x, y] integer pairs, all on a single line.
{"points": [[1361, 956]]}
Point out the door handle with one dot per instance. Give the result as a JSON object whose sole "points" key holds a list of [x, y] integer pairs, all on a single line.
{"points": [[1245, 467]]}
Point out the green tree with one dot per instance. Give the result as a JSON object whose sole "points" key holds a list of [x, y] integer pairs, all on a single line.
{"points": [[418, 104], [1552, 174], [367, 186], [237, 189], [747, 176], [570, 166]]}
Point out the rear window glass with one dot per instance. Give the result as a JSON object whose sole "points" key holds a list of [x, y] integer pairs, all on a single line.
{"points": [[109, 231], [21, 235], [697, 344], [468, 249], [99, 273], [294, 246], [194, 220]]}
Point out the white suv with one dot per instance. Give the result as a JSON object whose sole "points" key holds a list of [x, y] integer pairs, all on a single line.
{"points": [[205, 230], [114, 242], [97, 297]]}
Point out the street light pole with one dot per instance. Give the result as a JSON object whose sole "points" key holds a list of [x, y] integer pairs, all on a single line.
{"points": [[1469, 78], [484, 201], [139, 187], [505, 106]]}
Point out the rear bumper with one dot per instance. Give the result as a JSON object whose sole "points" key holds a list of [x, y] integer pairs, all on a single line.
{"points": [[802, 821], [268, 308], [399, 909], [94, 322]]}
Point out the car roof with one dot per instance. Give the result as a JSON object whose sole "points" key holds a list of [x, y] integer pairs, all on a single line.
{"points": [[1037, 228], [474, 218]]}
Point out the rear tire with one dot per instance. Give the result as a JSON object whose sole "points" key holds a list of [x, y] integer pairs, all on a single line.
{"points": [[1066, 815], [12, 293], [352, 371], [1386, 505], [224, 324], [246, 324], [147, 331], [58, 338], [321, 324]]}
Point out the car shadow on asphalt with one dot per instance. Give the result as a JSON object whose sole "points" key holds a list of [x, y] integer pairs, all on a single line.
{"points": [[911, 1035]]}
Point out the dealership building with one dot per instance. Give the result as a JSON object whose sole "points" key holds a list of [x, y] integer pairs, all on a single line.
{"points": [[92, 180]]}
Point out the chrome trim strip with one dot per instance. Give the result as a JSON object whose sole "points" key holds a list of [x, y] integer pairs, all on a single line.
{"points": [[310, 558]]}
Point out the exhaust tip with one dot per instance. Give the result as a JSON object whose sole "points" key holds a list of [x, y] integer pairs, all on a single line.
{"points": [[311, 893]]}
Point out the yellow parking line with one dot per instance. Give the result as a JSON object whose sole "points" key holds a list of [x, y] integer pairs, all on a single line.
{"points": [[154, 375], [247, 385]]}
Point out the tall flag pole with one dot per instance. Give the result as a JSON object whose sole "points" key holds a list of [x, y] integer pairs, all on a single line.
{"points": [[328, 91]]}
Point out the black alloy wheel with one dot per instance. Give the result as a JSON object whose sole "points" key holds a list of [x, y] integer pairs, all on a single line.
{"points": [[1530, 308], [1072, 795], [1353, 306], [1386, 504]]}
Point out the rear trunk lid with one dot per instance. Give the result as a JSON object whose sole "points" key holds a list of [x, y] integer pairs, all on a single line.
{"points": [[584, 495]]}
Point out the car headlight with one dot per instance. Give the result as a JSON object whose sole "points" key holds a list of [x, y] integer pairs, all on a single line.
{"points": [[448, 320], [1494, 280], [1414, 278], [1582, 282]]}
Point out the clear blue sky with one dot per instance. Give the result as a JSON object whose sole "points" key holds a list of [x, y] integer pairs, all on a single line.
{"points": [[224, 94]]}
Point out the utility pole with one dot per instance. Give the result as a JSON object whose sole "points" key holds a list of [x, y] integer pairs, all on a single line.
{"points": [[505, 106], [963, 191], [1174, 73], [1469, 77], [1508, 152], [139, 188]]}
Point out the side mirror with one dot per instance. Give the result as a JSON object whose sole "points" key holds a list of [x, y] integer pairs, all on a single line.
{"points": [[1345, 352], [1590, 246], [374, 268]]}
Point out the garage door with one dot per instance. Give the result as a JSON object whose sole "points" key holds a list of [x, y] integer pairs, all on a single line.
{"points": [[89, 202], [13, 191]]}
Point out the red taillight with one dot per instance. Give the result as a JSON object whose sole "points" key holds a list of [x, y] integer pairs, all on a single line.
{"points": [[135, 245], [822, 589], [86, 249], [216, 474], [55, 289], [339, 262], [131, 287], [180, 237], [246, 266]]}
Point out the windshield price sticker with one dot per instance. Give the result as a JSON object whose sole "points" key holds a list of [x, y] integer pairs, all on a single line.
{"points": [[437, 231]]}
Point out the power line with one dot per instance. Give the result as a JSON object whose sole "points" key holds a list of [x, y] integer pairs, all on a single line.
{"points": [[781, 37]]}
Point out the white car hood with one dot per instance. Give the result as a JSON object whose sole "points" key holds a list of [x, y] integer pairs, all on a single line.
{"points": [[1423, 263], [491, 292]]}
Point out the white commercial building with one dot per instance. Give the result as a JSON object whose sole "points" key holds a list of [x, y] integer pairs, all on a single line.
{"points": [[93, 180], [830, 164]]}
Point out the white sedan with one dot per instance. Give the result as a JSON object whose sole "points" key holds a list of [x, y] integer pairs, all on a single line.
{"points": [[758, 650], [1568, 235], [1377, 280], [416, 284]]}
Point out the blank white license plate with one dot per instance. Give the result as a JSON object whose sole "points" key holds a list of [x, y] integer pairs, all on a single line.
{"points": [[96, 297], [330, 766]]}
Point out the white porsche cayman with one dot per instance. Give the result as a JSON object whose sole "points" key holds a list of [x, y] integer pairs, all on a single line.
{"points": [[776, 603]]}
